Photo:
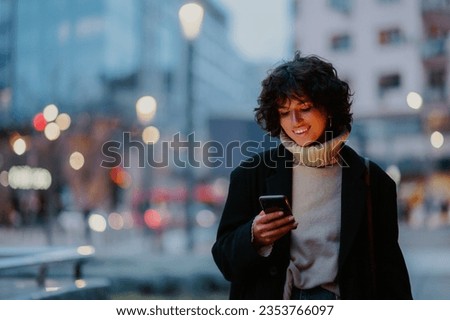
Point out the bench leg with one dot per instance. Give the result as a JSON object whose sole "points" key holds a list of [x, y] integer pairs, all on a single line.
{"points": [[77, 271], [42, 275]]}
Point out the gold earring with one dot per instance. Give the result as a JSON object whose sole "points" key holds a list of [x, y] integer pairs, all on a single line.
{"points": [[331, 121]]}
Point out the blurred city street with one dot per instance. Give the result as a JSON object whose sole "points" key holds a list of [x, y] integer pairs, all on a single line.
{"points": [[121, 122], [138, 268], [427, 255]]}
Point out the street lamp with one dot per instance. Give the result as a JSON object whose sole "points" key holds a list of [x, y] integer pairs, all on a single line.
{"points": [[191, 17]]}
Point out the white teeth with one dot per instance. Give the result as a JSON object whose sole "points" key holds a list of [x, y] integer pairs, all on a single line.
{"points": [[300, 131]]}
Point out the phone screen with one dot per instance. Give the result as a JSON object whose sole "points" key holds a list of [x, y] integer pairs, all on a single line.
{"points": [[272, 203]]}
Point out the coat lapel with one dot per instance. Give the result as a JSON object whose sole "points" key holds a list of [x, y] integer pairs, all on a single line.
{"points": [[279, 180], [352, 200]]}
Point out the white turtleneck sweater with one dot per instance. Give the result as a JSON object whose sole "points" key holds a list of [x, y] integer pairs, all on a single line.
{"points": [[316, 194]]}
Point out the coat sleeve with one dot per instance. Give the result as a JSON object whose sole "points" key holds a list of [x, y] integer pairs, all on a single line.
{"points": [[393, 279], [233, 251]]}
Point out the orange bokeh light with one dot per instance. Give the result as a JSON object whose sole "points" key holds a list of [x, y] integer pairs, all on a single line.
{"points": [[152, 219], [120, 177]]}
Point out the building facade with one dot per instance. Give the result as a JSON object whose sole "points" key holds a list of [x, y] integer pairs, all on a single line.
{"points": [[102, 56], [393, 54], [8, 9], [94, 60]]}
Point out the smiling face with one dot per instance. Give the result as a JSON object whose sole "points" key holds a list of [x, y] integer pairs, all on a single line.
{"points": [[302, 122]]}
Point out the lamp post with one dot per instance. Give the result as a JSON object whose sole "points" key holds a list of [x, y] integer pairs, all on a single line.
{"points": [[191, 17], [146, 107]]}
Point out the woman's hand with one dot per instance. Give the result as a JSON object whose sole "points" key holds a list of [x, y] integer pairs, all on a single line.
{"points": [[269, 227]]}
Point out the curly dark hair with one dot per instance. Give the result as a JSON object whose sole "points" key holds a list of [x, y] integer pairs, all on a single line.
{"points": [[309, 77]]}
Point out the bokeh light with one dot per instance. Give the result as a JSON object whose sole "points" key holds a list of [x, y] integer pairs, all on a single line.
{"points": [[115, 221], [120, 177], [79, 283], [220, 187], [152, 219], [63, 121], [205, 218], [145, 108], [86, 250], [191, 17], [52, 131], [150, 135], [437, 139], [414, 100], [4, 178], [19, 146], [50, 112], [128, 221], [76, 160], [27, 178], [97, 222], [39, 122]]}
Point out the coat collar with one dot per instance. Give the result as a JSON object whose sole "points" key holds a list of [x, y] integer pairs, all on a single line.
{"points": [[352, 200], [279, 181]]}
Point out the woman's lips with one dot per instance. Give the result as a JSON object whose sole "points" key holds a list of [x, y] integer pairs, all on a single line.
{"points": [[300, 130]]}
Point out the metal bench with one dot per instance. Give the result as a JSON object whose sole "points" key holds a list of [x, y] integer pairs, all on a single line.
{"points": [[18, 258]]}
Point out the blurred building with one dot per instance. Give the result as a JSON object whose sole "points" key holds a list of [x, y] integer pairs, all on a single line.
{"points": [[7, 47], [94, 60], [395, 55], [101, 56]]}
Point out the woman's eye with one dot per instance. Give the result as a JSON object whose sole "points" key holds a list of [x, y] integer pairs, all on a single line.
{"points": [[306, 107], [284, 113]]}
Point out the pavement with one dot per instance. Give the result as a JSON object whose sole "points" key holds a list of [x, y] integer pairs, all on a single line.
{"points": [[427, 255], [142, 265]]}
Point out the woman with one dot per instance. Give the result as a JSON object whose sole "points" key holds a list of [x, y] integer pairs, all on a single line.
{"points": [[334, 246]]}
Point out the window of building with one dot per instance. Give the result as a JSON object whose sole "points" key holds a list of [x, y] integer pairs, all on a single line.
{"points": [[344, 6], [341, 42], [436, 83], [436, 78], [388, 83], [435, 32], [434, 47], [391, 36]]}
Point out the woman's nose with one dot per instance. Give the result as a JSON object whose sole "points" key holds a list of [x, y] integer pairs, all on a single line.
{"points": [[295, 116]]}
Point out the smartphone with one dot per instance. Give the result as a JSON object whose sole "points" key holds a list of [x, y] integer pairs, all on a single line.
{"points": [[272, 203]]}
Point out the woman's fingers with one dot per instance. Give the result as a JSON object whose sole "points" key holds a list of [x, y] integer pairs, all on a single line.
{"points": [[268, 217], [273, 220], [268, 228]]}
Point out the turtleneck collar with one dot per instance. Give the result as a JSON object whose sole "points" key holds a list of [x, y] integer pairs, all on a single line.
{"points": [[316, 155]]}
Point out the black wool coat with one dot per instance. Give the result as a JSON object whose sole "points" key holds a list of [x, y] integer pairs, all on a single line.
{"points": [[255, 277]]}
